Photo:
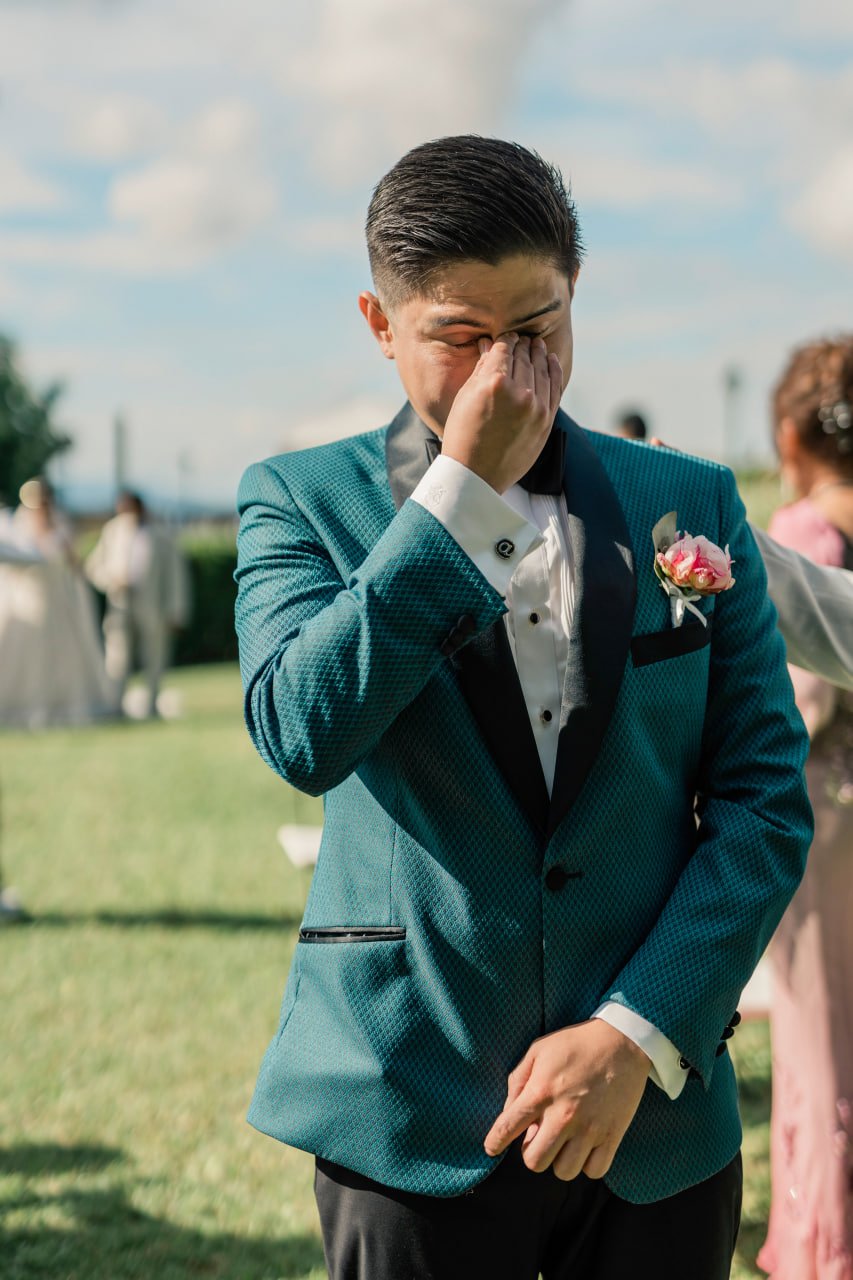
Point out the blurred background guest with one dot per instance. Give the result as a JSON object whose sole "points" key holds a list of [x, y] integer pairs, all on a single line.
{"points": [[143, 574], [631, 425], [51, 661], [810, 1233]]}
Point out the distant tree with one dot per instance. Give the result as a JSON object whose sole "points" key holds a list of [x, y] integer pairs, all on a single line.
{"points": [[29, 437]]}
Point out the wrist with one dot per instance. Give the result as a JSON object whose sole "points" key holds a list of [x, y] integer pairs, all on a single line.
{"points": [[627, 1048], [490, 473]]}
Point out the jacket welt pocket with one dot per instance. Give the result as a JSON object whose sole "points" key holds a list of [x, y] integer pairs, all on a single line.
{"points": [[672, 643], [354, 933]]}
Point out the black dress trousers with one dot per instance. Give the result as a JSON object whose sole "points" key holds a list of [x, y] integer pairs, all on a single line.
{"points": [[518, 1225]]}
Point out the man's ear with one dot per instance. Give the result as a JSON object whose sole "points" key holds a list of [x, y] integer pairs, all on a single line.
{"points": [[378, 322], [573, 282]]}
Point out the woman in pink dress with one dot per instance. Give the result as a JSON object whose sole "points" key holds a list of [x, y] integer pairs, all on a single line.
{"points": [[810, 1233]]}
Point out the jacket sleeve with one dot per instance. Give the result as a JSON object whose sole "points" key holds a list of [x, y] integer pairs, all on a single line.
{"points": [[328, 664], [755, 823], [815, 605]]}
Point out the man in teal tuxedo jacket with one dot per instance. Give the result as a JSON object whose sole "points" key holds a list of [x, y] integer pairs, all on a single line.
{"points": [[559, 828]]}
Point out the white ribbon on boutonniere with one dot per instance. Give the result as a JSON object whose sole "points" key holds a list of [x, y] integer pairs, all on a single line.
{"points": [[688, 568]]}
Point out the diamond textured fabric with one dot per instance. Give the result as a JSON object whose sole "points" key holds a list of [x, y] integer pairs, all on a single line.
{"points": [[391, 1056]]}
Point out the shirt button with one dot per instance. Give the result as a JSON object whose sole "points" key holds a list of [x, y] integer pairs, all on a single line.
{"points": [[546, 716], [556, 879], [534, 618], [504, 548]]}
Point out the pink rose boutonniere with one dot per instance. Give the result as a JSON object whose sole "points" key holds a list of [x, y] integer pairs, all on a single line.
{"points": [[688, 568]]}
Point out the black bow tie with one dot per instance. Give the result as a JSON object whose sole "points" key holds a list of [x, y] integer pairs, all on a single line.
{"points": [[546, 474]]}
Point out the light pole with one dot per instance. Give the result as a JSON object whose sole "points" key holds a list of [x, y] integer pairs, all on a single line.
{"points": [[732, 388], [119, 453]]}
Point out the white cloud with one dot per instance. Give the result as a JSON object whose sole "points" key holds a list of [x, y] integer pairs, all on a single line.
{"points": [[227, 129], [207, 192], [350, 418], [774, 129], [124, 253], [763, 102], [762, 22], [11, 295], [210, 194], [21, 190], [824, 212], [326, 234], [620, 180], [376, 77], [191, 203], [114, 127], [337, 87]]}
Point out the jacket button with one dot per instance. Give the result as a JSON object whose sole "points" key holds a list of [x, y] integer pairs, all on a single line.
{"points": [[466, 625], [556, 879]]}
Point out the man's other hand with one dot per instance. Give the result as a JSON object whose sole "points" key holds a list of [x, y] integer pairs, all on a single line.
{"points": [[501, 417], [573, 1096]]}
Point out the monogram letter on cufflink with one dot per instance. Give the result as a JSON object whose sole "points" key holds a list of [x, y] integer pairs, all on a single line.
{"points": [[505, 548]]}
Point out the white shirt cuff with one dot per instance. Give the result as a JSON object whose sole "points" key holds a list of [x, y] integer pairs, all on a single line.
{"points": [[667, 1072], [487, 529]]}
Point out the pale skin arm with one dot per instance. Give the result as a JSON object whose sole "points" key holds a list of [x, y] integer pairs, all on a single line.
{"points": [[575, 1091]]}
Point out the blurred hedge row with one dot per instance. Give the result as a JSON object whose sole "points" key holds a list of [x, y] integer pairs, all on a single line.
{"points": [[210, 635]]}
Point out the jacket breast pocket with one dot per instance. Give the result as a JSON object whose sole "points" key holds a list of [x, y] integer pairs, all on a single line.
{"points": [[674, 642]]}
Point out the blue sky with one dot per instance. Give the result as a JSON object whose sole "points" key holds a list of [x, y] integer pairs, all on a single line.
{"points": [[183, 183]]}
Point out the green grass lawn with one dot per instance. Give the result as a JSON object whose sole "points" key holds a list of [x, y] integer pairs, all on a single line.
{"points": [[137, 1005]]}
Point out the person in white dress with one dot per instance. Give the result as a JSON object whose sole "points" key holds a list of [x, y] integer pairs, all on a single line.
{"points": [[51, 662]]}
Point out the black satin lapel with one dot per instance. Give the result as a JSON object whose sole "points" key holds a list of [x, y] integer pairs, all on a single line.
{"points": [[410, 447], [484, 667], [605, 599], [489, 680]]}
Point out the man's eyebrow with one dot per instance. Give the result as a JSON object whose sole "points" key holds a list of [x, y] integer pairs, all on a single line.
{"points": [[534, 315], [467, 322]]}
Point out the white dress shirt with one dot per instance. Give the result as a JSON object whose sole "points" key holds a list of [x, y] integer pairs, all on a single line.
{"points": [[520, 543]]}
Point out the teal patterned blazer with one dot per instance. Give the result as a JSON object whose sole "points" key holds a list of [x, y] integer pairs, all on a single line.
{"points": [[456, 912]]}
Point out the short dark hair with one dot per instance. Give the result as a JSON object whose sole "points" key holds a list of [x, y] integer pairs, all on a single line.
{"points": [[633, 424], [467, 199], [130, 500]]}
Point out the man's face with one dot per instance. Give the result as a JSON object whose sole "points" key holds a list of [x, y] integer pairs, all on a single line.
{"points": [[433, 337]]}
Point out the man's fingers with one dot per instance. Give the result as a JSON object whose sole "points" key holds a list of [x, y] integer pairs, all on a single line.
{"points": [[500, 358], [510, 1124], [542, 1150], [541, 374], [556, 375], [571, 1160], [598, 1161], [518, 1079], [522, 366], [484, 346]]}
